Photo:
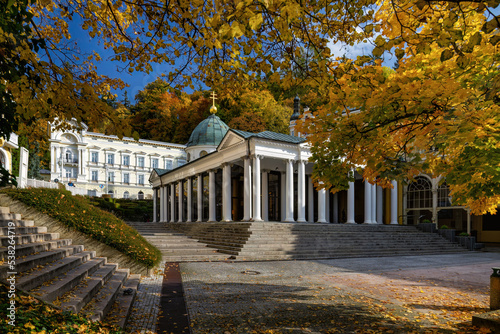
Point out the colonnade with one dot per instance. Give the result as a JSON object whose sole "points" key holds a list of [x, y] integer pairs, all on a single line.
{"points": [[255, 197]]}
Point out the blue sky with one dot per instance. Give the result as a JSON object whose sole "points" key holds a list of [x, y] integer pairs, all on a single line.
{"points": [[114, 69]]}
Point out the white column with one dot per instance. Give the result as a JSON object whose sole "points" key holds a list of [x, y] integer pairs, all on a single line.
{"points": [[53, 160], [79, 150], [211, 196], [189, 200], [350, 204], [162, 212], [289, 191], [265, 195], [165, 203], [181, 201], [434, 203], [155, 193], [301, 192], [368, 203], [199, 196], [56, 158], [256, 188], [172, 202], [374, 204], [311, 200], [247, 189], [321, 206], [82, 162], [394, 203], [283, 196], [327, 205], [468, 221], [380, 205], [226, 192], [335, 208]]}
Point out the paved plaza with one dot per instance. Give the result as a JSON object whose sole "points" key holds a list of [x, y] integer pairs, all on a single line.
{"points": [[405, 294]]}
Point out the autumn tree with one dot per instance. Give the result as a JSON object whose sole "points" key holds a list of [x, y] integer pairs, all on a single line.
{"points": [[437, 111], [256, 110]]}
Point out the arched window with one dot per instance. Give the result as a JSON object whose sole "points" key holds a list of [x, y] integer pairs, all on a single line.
{"points": [[419, 193], [444, 198], [126, 194], [110, 192], [140, 195]]}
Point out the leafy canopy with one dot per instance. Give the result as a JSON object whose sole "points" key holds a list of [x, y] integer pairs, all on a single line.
{"points": [[438, 112]]}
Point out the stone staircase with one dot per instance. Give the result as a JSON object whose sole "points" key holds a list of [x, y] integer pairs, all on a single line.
{"points": [[65, 275], [288, 241], [176, 246]]}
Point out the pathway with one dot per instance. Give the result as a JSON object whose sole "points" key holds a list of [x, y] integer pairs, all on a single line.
{"points": [[404, 294]]}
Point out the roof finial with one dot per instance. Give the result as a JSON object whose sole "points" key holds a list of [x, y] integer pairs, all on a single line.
{"points": [[213, 108]]}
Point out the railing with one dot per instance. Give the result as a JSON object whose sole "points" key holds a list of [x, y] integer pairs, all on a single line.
{"points": [[40, 184], [31, 183], [79, 191]]}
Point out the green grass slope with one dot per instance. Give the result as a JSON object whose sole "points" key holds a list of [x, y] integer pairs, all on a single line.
{"points": [[77, 213]]}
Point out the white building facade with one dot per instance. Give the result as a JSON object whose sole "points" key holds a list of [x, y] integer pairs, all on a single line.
{"points": [[106, 164]]}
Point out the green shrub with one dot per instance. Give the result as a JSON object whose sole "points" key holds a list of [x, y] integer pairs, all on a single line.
{"points": [[126, 209], [78, 213], [463, 234], [426, 221], [35, 316], [444, 227]]}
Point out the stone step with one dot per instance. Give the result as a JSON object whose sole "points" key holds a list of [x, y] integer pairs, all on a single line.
{"points": [[160, 235], [317, 239], [194, 258], [56, 271], [6, 231], [24, 222], [305, 256], [102, 302], [205, 251], [27, 263], [121, 308], [27, 249], [305, 234], [318, 245], [176, 240], [51, 290], [304, 239], [27, 238], [10, 216], [365, 250], [80, 295], [35, 278]]}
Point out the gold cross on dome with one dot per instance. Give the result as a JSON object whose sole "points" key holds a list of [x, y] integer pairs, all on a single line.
{"points": [[213, 96]]}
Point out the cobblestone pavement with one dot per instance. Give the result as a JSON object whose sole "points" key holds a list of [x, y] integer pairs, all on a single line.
{"points": [[145, 310], [404, 294]]}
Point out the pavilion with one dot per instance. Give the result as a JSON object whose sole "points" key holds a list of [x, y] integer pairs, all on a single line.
{"points": [[233, 175]]}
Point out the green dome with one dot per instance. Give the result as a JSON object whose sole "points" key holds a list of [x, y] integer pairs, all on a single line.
{"points": [[208, 132]]}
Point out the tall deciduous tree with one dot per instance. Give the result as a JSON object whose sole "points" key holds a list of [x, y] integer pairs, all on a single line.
{"points": [[437, 113], [442, 99]]}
